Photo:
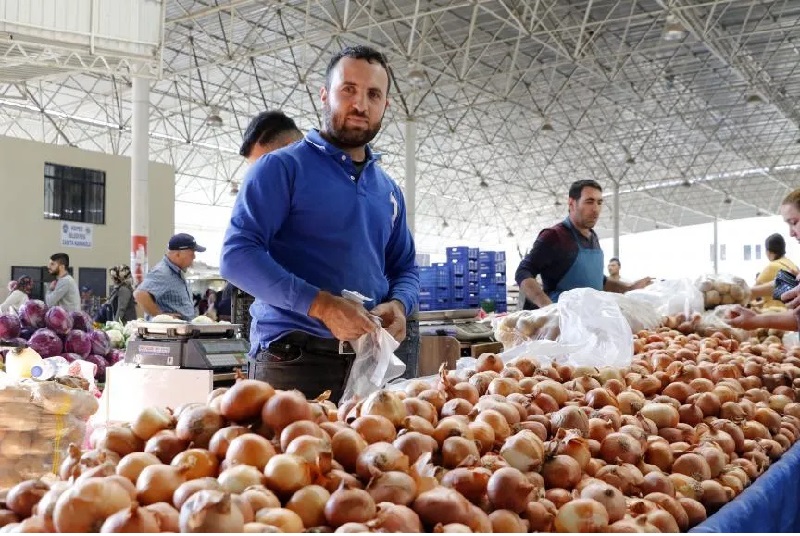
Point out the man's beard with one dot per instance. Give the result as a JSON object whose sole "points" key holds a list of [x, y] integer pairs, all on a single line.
{"points": [[343, 137]]}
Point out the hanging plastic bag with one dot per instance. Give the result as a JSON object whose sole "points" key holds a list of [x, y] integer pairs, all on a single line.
{"points": [[671, 297], [375, 364], [592, 320], [521, 327], [723, 289]]}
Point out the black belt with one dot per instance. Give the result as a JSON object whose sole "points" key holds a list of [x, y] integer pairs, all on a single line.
{"points": [[313, 344]]}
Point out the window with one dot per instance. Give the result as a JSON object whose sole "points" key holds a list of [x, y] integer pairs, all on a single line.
{"points": [[747, 253], [74, 194], [758, 251]]}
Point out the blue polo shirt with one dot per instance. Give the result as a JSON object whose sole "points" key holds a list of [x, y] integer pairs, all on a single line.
{"points": [[306, 221], [167, 286]]}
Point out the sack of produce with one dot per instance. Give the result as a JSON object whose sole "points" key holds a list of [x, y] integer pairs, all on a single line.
{"points": [[723, 290], [521, 327], [38, 421]]}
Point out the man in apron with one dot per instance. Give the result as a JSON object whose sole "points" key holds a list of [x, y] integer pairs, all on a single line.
{"points": [[568, 255]]}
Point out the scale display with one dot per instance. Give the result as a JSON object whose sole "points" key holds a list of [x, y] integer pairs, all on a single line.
{"points": [[223, 346]]}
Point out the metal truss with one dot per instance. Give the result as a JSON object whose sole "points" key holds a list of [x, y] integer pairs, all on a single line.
{"points": [[513, 100]]}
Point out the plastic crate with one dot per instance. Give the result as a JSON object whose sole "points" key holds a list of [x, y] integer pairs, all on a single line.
{"points": [[240, 310], [427, 293], [473, 265], [492, 256], [473, 288], [457, 254], [458, 268], [473, 254], [486, 280], [492, 267], [458, 304], [459, 294], [426, 305], [442, 274]]}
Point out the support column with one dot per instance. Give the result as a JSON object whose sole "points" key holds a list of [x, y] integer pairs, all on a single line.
{"points": [[411, 173], [716, 246], [140, 209], [616, 219]]}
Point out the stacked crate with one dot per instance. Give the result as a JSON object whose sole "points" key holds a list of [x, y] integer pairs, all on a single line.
{"points": [[492, 279], [458, 268]]}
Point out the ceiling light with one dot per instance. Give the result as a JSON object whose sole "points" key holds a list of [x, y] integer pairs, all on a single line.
{"points": [[673, 29], [445, 225], [416, 77], [547, 126], [630, 160], [214, 120], [510, 233], [727, 200], [686, 183], [753, 99], [483, 183]]}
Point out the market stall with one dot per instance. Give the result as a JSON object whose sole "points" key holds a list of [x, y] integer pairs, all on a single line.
{"points": [[692, 428]]}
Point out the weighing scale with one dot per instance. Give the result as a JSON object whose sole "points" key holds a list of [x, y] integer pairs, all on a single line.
{"points": [[458, 323], [215, 347]]}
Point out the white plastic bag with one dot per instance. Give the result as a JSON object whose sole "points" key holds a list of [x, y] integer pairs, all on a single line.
{"points": [[592, 320], [671, 297], [375, 364]]}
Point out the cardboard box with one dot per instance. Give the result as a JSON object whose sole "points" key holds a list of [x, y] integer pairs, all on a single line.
{"points": [[130, 389]]}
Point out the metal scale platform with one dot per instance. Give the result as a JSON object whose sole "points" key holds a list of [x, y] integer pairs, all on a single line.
{"points": [[215, 347], [458, 323]]}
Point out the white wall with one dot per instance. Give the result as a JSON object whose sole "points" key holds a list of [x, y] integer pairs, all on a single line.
{"points": [[28, 239]]}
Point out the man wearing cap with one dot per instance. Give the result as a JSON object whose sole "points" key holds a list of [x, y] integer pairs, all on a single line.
{"points": [[267, 132], [164, 289]]}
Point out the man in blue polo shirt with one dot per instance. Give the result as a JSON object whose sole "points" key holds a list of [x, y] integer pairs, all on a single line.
{"points": [[164, 289], [314, 219]]}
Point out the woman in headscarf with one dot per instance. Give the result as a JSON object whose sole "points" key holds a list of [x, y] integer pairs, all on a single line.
{"points": [[121, 299], [20, 289]]}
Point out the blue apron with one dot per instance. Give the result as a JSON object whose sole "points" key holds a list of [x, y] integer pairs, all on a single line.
{"points": [[586, 271]]}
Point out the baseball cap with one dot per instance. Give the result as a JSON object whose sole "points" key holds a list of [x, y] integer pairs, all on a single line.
{"points": [[183, 241], [273, 121]]}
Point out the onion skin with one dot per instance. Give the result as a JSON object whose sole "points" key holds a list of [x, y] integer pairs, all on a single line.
{"points": [[23, 498], [210, 511], [187, 489], [349, 506], [581, 515], [85, 506], [133, 519]]}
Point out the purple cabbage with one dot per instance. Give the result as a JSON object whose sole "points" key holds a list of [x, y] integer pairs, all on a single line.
{"points": [[46, 343], [78, 342], [101, 344], [81, 321], [32, 313], [100, 362], [58, 319], [9, 327], [115, 356]]}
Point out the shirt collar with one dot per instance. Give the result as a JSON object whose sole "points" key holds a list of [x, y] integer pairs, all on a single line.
{"points": [[314, 138], [174, 267], [568, 223]]}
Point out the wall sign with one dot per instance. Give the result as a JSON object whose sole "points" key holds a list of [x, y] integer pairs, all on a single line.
{"points": [[76, 235]]}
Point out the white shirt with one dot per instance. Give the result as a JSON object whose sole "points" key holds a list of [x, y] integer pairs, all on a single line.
{"points": [[14, 301]]}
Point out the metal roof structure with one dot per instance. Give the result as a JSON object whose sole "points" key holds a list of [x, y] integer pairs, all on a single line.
{"points": [[689, 105]]}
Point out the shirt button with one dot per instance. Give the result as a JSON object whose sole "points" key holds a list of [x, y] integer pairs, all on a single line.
{"points": [[352, 178], [344, 158]]}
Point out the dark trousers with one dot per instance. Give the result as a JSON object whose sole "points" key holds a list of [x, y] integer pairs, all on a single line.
{"points": [[311, 365]]}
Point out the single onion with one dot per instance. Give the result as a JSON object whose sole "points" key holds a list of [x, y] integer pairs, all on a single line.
{"points": [[243, 402], [458, 450], [346, 445], [221, 440], [663, 415], [167, 516], [260, 497], [238, 478], [309, 504], [296, 429], [199, 463], [523, 451], [87, 504], [132, 465], [249, 449], [287, 473], [198, 425], [211, 511], [695, 510], [386, 404], [509, 489], [393, 486], [442, 505], [284, 408], [157, 483], [374, 428], [381, 456], [489, 362], [349, 506], [119, 439], [412, 444], [610, 497], [582, 515], [619, 446], [189, 488], [133, 519], [561, 471], [471, 482], [152, 420]]}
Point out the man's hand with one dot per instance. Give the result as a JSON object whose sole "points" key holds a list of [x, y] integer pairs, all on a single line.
{"points": [[742, 318], [393, 315], [346, 319], [642, 283], [53, 284], [792, 297]]}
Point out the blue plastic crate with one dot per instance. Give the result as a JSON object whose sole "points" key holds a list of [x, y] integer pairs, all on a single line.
{"points": [[458, 268], [492, 256], [426, 305], [458, 281], [500, 307], [473, 254], [473, 277], [442, 274], [458, 304], [427, 293], [473, 288], [473, 265], [459, 294], [491, 279], [492, 267], [457, 254], [442, 303]]}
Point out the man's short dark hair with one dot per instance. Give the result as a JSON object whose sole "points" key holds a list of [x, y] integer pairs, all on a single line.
{"points": [[776, 244], [577, 187], [61, 258], [614, 259], [358, 52], [265, 128]]}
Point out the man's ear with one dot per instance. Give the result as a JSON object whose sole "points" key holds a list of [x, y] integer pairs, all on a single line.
{"points": [[323, 94]]}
